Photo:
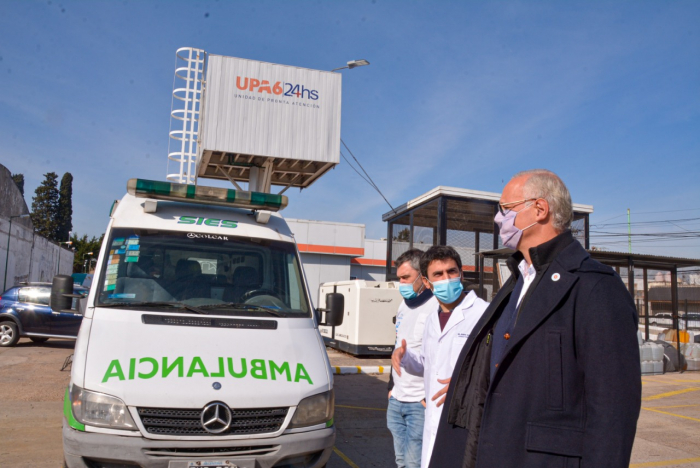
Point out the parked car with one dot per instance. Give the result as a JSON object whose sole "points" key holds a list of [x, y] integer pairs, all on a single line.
{"points": [[663, 319], [25, 311], [691, 320]]}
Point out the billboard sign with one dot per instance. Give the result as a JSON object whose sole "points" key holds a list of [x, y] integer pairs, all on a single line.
{"points": [[268, 110]]}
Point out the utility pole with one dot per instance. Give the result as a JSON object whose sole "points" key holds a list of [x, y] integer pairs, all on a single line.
{"points": [[629, 232]]}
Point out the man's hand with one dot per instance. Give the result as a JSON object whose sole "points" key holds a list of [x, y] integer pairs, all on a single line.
{"points": [[441, 392], [397, 356]]}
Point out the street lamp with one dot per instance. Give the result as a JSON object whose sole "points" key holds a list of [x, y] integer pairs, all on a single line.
{"points": [[352, 64], [7, 257], [58, 266], [85, 262]]}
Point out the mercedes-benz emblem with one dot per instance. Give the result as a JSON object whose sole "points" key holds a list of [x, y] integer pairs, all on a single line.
{"points": [[216, 418]]}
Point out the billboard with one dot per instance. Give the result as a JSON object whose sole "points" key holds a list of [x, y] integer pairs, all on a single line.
{"points": [[254, 113]]}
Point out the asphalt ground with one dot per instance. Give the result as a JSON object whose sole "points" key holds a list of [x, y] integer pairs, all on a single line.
{"points": [[31, 403]]}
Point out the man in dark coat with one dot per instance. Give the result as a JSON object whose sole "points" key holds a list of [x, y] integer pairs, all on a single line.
{"points": [[551, 375]]}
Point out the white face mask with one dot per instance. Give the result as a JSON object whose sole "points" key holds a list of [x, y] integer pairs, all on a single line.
{"points": [[509, 233]]}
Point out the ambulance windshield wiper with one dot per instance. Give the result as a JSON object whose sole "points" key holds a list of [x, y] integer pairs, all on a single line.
{"points": [[239, 306], [177, 305]]}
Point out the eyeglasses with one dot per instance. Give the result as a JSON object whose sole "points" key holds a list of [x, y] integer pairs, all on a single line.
{"points": [[503, 210]]}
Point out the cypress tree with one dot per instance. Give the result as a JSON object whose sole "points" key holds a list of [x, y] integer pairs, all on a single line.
{"points": [[65, 208], [19, 181], [45, 207]]}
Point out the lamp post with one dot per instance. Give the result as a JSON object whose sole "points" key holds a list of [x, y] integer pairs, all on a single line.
{"points": [[352, 64], [58, 266], [7, 257], [84, 262]]}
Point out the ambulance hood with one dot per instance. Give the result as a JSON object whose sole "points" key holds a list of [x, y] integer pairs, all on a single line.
{"points": [[188, 366]]}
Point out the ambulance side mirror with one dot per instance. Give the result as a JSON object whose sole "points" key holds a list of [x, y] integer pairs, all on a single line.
{"points": [[335, 306], [62, 294]]}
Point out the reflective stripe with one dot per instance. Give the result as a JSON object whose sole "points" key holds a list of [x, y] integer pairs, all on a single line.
{"points": [[68, 413]]}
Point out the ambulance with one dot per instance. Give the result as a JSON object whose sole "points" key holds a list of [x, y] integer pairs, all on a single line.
{"points": [[199, 345]]}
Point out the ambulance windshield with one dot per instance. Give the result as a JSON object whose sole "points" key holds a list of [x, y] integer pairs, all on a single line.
{"points": [[210, 273]]}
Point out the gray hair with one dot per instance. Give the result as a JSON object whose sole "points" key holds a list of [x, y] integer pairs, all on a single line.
{"points": [[542, 183], [412, 256]]}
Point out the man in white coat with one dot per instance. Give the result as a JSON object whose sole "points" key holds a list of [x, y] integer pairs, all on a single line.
{"points": [[446, 331], [406, 410]]}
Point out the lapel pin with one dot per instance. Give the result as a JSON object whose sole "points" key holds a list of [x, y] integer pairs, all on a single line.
{"points": [[556, 276]]}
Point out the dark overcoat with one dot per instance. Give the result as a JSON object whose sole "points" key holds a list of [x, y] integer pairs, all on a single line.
{"points": [[567, 392]]}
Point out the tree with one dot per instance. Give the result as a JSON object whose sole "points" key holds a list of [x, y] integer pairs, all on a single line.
{"points": [[65, 208], [45, 207], [402, 236], [83, 246], [19, 181]]}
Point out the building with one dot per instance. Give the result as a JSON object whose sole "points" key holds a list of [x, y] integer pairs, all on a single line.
{"points": [[333, 251]]}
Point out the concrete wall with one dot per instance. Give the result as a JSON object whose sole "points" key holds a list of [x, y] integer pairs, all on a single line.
{"points": [[372, 265], [368, 272], [11, 200], [322, 268], [348, 238], [32, 257]]}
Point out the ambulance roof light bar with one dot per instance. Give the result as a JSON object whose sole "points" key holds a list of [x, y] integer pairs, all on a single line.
{"points": [[143, 188]]}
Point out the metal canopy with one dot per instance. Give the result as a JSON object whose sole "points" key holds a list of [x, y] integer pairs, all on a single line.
{"points": [[643, 260], [459, 194], [621, 258], [284, 172]]}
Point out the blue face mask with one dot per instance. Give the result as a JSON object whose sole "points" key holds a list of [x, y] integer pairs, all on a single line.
{"points": [[448, 291], [407, 291]]}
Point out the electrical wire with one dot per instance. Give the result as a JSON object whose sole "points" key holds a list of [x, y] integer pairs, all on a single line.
{"points": [[368, 179], [646, 223]]}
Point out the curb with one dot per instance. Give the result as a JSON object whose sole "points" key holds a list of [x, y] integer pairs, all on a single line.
{"points": [[343, 370]]}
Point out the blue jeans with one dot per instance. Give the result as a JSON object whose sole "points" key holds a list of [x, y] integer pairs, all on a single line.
{"points": [[405, 421]]}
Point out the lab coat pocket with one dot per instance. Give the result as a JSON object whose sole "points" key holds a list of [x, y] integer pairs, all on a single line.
{"points": [[457, 344]]}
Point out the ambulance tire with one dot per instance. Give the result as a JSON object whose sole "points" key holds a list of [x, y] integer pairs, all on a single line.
{"points": [[9, 334], [38, 339]]}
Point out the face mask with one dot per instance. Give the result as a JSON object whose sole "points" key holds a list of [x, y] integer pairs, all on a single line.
{"points": [[407, 291], [447, 291], [510, 235]]}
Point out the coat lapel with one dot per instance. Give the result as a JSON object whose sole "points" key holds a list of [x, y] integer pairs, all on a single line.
{"points": [[555, 283], [457, 315], [488, 314]]}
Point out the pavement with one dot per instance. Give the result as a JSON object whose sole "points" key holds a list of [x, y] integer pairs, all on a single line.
{"points": [[31, 402]]}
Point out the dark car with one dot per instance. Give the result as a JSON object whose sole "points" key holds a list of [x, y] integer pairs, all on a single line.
{"points": [[25, 311]]}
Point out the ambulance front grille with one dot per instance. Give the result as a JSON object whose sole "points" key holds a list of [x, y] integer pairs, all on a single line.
{"points": [[186, 422]]}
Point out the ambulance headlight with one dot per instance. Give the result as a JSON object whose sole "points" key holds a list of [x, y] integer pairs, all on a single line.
{"points": [[98, 409], [316, 409]]}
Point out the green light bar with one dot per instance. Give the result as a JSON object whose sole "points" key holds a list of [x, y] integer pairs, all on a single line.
{"points": [[205, 195]]}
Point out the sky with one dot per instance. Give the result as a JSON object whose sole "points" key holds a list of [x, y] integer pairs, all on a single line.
{"points": [[462, 94]]}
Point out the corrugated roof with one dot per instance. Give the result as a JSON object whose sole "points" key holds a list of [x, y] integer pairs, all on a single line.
{"points": [[457, 192]]}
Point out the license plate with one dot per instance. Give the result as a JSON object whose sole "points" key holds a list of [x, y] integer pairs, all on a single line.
{"points": [[211, 464], [220, 463], [204, 464]]}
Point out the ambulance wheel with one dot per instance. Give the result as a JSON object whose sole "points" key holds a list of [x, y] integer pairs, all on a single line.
{"points": [[38, 339], [9, 335]]}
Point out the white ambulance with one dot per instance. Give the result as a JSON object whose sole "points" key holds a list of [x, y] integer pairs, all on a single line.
{"points": [[199, 345]]}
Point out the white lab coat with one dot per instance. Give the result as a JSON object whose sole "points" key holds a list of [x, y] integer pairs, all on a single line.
{"points": [[437, 359]]}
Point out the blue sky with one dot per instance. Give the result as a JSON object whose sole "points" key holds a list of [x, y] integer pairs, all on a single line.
{"points": [[464, 94]]}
